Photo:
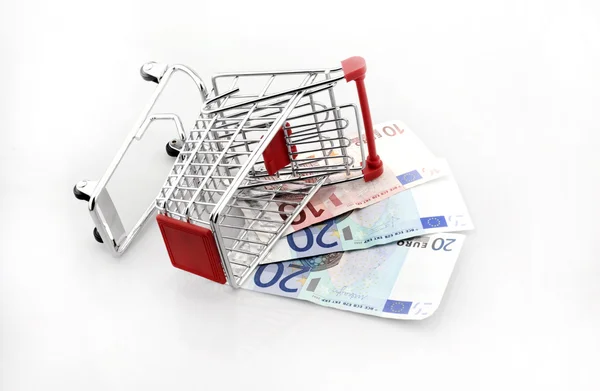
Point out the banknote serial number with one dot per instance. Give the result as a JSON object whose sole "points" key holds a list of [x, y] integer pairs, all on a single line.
{"points": [[345, 303], [388, 236]]}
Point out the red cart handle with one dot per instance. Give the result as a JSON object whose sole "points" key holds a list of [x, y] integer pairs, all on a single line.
{"points": [[355, 69]]}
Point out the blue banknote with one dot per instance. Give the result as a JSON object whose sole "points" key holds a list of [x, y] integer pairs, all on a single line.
{"points": [[403, 280]]}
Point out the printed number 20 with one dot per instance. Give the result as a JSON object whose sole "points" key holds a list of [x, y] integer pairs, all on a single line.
{"points": [[442, 244], [310, 239], [277, 276]]}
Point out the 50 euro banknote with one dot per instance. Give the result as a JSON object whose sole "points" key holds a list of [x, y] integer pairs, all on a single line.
{"points": [[401, 280], [407, 161], [436, 206]]}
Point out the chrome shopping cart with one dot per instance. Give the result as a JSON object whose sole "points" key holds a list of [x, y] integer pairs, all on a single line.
{"points": [[263, 144]]}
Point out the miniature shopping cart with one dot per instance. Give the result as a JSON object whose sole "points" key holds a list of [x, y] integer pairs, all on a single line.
{"points": [[262, 145]]}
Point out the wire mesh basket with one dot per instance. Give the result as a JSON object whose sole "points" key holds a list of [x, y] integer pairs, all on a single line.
{"points": [[263, 144]]}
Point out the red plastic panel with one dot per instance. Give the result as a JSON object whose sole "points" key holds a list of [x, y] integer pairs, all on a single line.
{"points": [[276, 154], [192, 248]]}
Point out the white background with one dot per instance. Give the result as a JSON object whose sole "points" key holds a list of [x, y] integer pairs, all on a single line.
{"points": [[508, 91]]}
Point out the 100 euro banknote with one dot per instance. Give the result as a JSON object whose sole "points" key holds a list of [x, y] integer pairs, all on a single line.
{"points": [[436, 206], [402, 280], [408, 163]]}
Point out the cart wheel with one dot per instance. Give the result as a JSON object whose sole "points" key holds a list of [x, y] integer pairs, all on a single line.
{"points": [[97, 236], [80, 195], [171, 151], [146, 76]]}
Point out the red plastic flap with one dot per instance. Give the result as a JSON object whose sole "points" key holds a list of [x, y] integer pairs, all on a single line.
{"points": [[192, 248], [276, 154], [354, 68]]}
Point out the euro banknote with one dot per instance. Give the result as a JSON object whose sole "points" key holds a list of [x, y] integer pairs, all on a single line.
{"points": [[401, 280], [408, 163], [436, 206]]}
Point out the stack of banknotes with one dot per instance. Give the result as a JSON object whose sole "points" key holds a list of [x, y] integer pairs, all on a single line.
{"points": [[385, 248]]}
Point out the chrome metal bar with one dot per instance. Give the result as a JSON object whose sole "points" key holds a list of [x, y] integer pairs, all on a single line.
{"points": [[337, 116], [108, 219], [220, 158], [259, 183], [267, 73], [242, 251], [288, 222], [265, 211], [325, 83], [237, 182], [254, 229], [245, 240]]}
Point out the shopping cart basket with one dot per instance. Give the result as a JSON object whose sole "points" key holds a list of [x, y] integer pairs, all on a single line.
{"points": [[263, 144]]}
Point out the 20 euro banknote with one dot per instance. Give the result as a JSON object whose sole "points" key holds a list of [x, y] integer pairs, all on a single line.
{"points": [[401, 280], [436, 206]]}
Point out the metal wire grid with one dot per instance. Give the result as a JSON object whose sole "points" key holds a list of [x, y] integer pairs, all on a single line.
{"points": [[312, 121], [222, 145]]}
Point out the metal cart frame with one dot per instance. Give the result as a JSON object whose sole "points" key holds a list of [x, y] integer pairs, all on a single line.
{"points": [[246, 153]]}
